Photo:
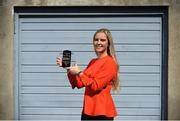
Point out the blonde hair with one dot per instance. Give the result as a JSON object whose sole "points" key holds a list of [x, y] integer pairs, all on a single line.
{"points": [[111, 52]]}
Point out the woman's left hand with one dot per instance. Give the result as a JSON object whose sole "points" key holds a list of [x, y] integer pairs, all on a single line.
{"points": [[74, 70]]}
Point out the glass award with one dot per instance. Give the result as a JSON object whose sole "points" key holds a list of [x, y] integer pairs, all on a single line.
{"points": [[66, 59]]}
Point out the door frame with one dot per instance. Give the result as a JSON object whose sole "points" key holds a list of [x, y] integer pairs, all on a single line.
{"points": [[154, 11]]}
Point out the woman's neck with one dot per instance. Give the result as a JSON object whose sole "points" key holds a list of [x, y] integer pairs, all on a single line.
{"points": [[101, 55]]}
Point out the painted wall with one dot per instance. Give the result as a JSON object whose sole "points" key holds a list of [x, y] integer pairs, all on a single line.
{"points": [[6, 46]]}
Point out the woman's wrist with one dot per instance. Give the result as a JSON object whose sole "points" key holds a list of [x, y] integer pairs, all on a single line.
{"points": [[79, 73]]}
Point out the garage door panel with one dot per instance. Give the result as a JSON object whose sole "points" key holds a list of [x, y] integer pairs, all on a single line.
{"points": [[57, 36], [45, 82], [51, 111], [59, 103], [123, 101], [42, 26], [86, 47], [75, 111], [144, 82], [78, 117], [72, 97], [129, 117], [65, 82], [89, 40], [126, 58], [45, 103], [55, 68], [68, 90], [93, 19], [60, 79], [68, 35], [62, 76], [61, 37], [51, 117]]}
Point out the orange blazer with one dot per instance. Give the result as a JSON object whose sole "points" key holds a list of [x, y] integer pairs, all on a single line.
{"points": [[97, 79]]}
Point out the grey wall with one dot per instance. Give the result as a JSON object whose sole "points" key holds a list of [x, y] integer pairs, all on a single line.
{"points": [[6, 46]]}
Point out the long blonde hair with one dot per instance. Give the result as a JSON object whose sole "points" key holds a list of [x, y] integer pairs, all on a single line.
{"points": [[111, 52]]}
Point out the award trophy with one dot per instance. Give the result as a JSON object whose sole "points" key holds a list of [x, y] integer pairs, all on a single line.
{"points": [[66, 59]]}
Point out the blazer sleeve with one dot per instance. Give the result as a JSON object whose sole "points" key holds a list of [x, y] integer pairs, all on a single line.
{"points": [[74, 81], [102, 78]]}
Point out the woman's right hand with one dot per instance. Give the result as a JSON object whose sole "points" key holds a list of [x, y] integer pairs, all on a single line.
{"points": [[59, 61]]}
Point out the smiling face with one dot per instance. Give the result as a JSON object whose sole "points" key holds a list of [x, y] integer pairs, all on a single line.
{"points": [[100, 43]]}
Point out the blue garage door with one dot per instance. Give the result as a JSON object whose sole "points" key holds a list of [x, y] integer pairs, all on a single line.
{"points": [[42, 88]]}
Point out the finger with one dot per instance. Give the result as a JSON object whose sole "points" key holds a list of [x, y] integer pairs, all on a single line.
{"points": [[57, 61], [58, 58]]}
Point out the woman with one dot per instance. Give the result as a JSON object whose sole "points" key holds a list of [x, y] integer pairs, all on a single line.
{"points": [[98, 78]]}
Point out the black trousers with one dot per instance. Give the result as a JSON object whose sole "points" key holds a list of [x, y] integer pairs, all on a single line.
{"points": [[100, 117]]}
